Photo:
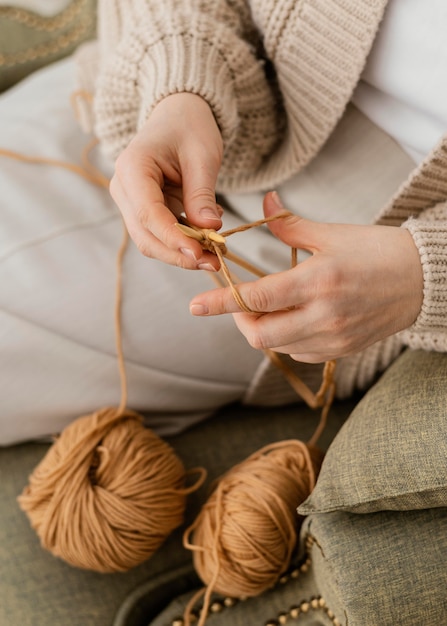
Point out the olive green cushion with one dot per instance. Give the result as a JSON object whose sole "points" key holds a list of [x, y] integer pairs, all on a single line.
{"points": [[391, 453], [387, 568], [38, 589], [28, 41], [383, 569]]}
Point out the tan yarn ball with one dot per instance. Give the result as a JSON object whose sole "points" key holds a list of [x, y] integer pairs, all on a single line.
{"points": [[107, 494], [246, 533]]}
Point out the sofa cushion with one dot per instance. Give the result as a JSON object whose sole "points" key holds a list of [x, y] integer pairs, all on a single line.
{"points": [[31, 39], [391, 452], [31, 592], [358, 570], [385, 568]]}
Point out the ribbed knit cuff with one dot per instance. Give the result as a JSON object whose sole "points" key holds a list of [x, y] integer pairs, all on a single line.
{"points": [[206, 59], [273, 122], [144, 74], [186, 63], [429, 332]]}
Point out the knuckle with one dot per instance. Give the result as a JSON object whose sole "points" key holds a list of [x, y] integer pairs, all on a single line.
{"points": [[184, 263], [256, 333], [204, 194], [140, 214], [337, 324], [256, 341], [140, 243], [259, 299], [331, 280], [340, 342], [251, 327], [208, 155], [143, 248]]}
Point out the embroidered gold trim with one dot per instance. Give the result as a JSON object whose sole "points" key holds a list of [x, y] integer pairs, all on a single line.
{"points": [[61, 43], [47, 24]]}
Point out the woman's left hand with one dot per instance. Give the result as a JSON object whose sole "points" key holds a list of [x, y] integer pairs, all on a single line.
{"points": [[361, 284]]}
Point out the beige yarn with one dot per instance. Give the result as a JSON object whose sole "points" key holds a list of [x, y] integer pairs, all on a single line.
{"points": [[107, 494], [244, 537], [110, 491], [246, 533]]}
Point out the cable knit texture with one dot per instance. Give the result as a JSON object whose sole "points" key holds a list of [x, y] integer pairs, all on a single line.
{"points": [[278, 75]]}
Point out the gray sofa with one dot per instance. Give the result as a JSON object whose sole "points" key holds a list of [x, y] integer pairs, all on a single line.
{"points": [[373, 545]]}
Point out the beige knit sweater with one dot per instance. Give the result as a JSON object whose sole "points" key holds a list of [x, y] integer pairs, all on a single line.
{"points": [[278, 75]]}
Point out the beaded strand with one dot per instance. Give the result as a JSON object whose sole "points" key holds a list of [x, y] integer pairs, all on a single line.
{"points": [[317, 603]]}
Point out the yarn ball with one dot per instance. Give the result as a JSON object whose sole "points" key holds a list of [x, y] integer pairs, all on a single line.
{"points": [[107, 494], [246, 533]]}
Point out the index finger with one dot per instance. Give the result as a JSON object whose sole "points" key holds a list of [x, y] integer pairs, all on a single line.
{"points": [[140, 198], [275, 292]]}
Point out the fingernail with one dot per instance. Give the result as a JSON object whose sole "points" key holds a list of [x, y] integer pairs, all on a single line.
{"points": [[206, 266], [198, 309], [189, 253], [277, 200], [210, 214]]}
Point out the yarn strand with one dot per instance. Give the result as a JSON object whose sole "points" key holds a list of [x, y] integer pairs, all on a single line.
{"points": [[125, 488], [118, 321], [109, 491], [71, 167], [216, 243], [216, 553], [245, 534]]}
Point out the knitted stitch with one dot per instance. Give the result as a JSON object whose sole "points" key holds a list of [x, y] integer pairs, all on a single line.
{"points": [[278, 75]]}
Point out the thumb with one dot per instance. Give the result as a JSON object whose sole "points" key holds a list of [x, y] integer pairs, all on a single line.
{"points": [[199, 195], [293, 230]]}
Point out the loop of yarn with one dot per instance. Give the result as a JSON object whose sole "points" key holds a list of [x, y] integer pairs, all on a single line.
{"points": [[110, 491], [107, 494], [246, 533]]}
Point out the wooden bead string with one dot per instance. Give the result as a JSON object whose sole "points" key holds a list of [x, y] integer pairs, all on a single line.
{"points": [[292, 614]]}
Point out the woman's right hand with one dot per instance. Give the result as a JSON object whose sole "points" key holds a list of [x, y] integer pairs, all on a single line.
{"points": [[171, 167]]}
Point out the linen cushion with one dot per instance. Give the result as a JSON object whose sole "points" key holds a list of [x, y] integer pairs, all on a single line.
{"points": [[386, 569], [32, 39], [391, 453], [38, 589]]}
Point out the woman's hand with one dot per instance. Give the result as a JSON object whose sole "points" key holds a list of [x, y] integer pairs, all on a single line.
{"points": [[361, 284], [170, 167]]}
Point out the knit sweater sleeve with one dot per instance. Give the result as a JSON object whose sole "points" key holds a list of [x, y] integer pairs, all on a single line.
{"points": [[429, 232], [151, 49], [277, 74]]}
